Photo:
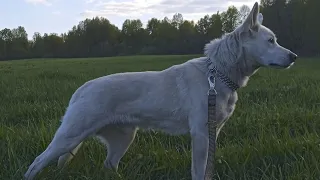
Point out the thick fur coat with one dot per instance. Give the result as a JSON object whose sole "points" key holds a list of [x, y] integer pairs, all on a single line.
{"points": [[174, 100]]}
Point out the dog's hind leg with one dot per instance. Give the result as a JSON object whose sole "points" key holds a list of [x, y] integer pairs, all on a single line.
{"points": [[62, 142], [73, 130], [118, 138], [67, 157]]}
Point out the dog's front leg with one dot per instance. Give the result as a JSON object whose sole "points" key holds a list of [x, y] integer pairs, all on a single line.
{"points": [[199, 138]]}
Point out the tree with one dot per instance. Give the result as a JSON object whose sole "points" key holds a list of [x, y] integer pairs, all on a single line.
{"points": [[177, 20], [134, 36], [243, 13], [230, 19]]}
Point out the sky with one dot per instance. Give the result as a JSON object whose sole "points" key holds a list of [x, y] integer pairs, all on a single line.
{"points": [[59, 16]]}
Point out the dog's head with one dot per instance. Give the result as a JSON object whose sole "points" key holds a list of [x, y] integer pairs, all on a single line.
{"points": [[260, 43]]}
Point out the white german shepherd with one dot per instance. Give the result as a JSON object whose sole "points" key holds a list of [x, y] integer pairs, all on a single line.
{"points": [[174, 100]]}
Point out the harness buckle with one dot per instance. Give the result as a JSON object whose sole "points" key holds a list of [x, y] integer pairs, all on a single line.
{"points": [[212, 90]]}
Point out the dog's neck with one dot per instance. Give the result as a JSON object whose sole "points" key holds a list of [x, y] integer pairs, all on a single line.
{"points": [[230, 58]]}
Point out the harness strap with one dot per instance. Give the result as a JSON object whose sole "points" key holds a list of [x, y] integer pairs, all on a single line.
{"points": [[212, 128], [212, 123]]}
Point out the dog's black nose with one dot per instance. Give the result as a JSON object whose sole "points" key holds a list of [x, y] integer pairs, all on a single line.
{"points": [[292, 56]]}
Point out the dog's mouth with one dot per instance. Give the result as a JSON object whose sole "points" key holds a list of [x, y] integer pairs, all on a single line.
{"points": [[281, 66]]}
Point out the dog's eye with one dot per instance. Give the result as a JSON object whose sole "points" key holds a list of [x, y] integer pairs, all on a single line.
{"points": [[271, 40]]}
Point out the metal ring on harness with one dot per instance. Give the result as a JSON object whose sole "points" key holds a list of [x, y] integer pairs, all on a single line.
{"points": [[212, 90]]}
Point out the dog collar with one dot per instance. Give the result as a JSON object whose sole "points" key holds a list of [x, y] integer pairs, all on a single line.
{"points": [[226, 80]]}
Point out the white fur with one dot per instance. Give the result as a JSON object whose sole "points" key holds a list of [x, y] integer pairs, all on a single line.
{"points": [[174, 100]]}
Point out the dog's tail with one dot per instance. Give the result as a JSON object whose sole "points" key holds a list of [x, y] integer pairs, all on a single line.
{"points": [[64, 159]]}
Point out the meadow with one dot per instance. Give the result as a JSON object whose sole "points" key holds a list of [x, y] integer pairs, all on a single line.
{"points": [[273, 134]]}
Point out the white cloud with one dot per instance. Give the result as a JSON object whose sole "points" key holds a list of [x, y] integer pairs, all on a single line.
{"points": [[56, 12], [90, 1], [127, 8], [44, 2], [145, 9]]}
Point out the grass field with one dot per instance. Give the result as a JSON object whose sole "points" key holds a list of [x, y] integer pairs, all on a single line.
{"points": [[273, 133]]}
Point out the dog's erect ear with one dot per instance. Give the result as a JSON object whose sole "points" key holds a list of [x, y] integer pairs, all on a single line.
{"points": [[251, 22], [260, 18]]}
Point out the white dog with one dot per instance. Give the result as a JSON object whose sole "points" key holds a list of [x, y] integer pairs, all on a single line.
{"points": [[174, 100]]}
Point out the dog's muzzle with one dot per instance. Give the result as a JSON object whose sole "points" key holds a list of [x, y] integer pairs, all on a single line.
{"points": [[292, 56]]}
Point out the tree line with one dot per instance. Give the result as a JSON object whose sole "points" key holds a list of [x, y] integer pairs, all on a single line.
{"points": [[294, 22]]}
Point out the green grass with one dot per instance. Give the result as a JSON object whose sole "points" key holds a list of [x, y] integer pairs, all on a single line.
{"points": [[273, 133]]}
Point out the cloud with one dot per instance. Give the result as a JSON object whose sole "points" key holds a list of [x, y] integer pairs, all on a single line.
{"points": [[56, 13], [190, 9], [90, 1], [125, 8], [44, 2]]}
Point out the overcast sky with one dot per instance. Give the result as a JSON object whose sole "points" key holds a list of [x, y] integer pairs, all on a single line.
{"points": [[60, 15]]}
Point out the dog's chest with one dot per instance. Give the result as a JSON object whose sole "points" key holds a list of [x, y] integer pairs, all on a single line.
{"points": [[225, 106]]}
